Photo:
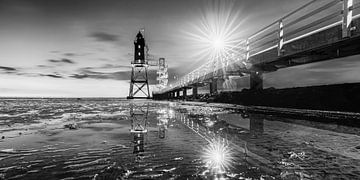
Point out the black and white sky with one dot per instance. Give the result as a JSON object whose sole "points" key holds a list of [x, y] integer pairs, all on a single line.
{"points": [[83, 48]]}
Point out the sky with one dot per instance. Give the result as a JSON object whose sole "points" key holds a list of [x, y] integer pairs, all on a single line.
{"points": [[83, 48]]}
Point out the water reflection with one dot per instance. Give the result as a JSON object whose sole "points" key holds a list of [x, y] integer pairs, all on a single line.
{"points": [[256, 125], [217, 155], [229, 143], [162, 130], [164, 115], [139, 128], [173, 142]]}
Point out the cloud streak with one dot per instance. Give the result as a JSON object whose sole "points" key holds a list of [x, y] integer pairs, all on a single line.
{"points": [[93, 73], [7, 68], [70, 54], [85, 73], [51, 75], [104, 37], [64, 60]]}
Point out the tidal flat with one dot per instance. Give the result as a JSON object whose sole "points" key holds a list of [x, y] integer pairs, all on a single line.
{"points": [[121, 139]]}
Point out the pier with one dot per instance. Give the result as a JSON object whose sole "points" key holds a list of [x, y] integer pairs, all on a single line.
{"points": [[305, 35]]}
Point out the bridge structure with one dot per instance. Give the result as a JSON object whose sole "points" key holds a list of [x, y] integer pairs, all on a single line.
{"points": [[319, 30]]}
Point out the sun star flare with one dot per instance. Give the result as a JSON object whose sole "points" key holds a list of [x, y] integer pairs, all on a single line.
{"points": [[218, 156]]}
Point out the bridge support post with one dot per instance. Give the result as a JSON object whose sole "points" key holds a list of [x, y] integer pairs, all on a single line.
{"points": [[256, 80], [247, 49], [281, 38], [347, 18], [194, 92], [220, 83], [213, 86], [184, 94], [177, 94]]}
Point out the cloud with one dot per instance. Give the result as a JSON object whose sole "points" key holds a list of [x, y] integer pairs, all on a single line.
{"points": [[29, 72], [67, 61], [110, 66], [105, 68], [86, 73], [43, 66], [70, 54], [104, 37], [7, 68], [93, 73], [51, 75], [64, 60], [79, 76]]}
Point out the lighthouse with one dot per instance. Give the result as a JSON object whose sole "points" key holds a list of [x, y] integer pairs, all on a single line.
{"points": [[139, 86], [139, 54]]}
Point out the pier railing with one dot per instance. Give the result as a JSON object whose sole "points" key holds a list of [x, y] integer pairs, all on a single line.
{"points": [[282, 38]]}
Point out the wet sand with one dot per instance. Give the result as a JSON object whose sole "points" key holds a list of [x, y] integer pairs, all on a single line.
{"points": [[91, 139]]}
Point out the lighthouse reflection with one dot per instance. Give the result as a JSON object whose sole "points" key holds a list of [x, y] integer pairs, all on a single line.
{"points": [[139, 128], [227, 137], [139, 114]]}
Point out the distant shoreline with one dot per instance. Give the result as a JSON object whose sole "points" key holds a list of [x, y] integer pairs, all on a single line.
{"points": [[336, 97]]}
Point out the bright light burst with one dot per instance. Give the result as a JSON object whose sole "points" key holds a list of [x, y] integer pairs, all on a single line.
{"points": [[218, 156], [217, 34]]}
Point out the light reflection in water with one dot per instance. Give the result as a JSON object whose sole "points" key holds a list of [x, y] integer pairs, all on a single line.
{"points": [[218, 156]]}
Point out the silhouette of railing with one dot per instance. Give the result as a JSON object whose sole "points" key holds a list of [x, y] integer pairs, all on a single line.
{"points": [[295, 32]]}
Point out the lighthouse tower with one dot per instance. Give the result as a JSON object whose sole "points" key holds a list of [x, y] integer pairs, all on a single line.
{"points": [[139, 86]]}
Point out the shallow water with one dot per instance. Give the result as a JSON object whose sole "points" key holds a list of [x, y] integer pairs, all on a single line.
{"points": [[113, 138]]}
